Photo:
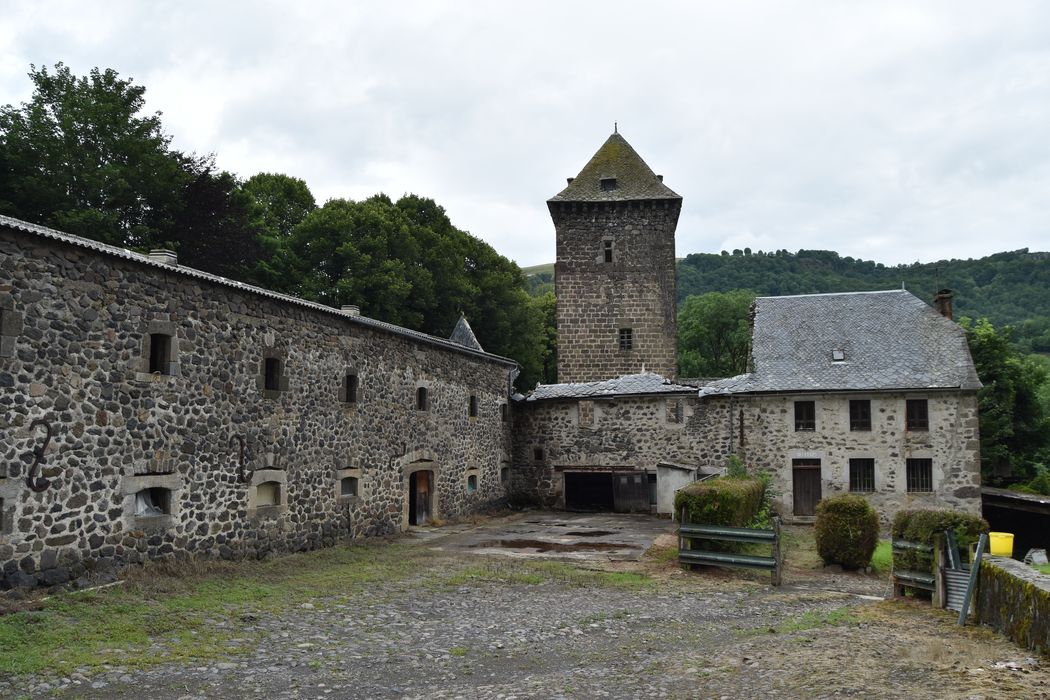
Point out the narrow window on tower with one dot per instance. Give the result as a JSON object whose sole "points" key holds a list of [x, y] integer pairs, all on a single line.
{"points": [[607, 251], [626, 339]]}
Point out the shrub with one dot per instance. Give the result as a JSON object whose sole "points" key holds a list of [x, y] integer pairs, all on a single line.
{"points": [[921, 525], [720, 501], [847, 531]]}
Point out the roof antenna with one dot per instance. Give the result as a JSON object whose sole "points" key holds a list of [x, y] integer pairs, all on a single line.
{"points": [[616, 128]]}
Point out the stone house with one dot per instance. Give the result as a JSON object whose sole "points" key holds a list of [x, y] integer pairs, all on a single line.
{"points": [[190, 414]]}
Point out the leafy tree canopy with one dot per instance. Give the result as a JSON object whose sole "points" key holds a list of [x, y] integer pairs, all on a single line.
{"points": [[714, 334]]}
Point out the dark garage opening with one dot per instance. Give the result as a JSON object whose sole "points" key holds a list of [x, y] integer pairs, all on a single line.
{"points": [[589, 491]]}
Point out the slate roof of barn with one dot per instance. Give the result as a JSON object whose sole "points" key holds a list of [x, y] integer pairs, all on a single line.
{"points": [[643, 384], [634, 179], [114, 251], [889, 340]]}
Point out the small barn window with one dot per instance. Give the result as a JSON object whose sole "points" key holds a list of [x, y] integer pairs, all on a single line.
{"points": [[805, 416], [272, 374], [472, 483], [350, 388], [348, 486], [422, 400], [626, 339], [860, 414], [159, 353], [472, 406], [862, 475], [153, 501], [920, 475], [917, 414], [268, 493]]}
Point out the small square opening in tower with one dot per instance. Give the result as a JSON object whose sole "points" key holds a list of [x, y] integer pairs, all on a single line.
{"points": [[607, 251], [472, 408], [272, 374], [350, 388], [153, 501], [626, 339], [422, 400], [608, 184], [348, 486]]}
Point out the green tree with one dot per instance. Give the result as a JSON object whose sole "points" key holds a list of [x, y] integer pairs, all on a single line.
{"points": [[714, 334], [82, 157], [547, 308], [282, 201], [1015, 429]]}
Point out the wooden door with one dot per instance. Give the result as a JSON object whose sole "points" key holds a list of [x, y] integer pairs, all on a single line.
{"points": [[805, 478], [630, 492], [419, 498]]}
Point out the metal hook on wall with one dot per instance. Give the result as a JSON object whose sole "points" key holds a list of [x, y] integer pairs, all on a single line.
{"points": [[242, 474], [34, 482]]}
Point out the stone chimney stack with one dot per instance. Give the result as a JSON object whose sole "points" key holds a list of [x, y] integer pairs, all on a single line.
{"points": [[942, 301]]}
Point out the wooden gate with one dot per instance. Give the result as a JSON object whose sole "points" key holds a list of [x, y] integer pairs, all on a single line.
{"points": [[805, 480]]}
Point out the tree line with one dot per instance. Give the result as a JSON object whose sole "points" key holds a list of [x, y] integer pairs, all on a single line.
{"points": [[83, 156]]}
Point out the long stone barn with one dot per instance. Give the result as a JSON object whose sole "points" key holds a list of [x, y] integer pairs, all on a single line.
{"points": [[142, 383]]}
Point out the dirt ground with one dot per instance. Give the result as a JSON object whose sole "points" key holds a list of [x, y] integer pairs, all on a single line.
{"points": [[494, 622]]}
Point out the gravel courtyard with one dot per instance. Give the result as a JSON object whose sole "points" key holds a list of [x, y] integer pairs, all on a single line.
{"points": [[434, 615]]}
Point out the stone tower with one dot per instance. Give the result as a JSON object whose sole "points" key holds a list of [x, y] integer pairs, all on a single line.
{"points": [[615, 269]]}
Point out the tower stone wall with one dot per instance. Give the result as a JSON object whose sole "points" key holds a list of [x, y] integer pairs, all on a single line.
{"points": [[635, 290]]}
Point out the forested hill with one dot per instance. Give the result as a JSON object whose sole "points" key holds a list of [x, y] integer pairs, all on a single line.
{"points": [[1008, 288]]}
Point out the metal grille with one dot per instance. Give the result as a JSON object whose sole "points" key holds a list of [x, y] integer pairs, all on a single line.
{"points": [[920, 474], [862, 475], [626, 338]]}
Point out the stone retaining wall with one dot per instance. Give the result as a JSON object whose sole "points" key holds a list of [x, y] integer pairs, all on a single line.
{"points": [[1014, 599], [77, 326]]}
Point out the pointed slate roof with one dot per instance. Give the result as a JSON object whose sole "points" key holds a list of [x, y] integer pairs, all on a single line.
{"points": [[463, 334], [615, 159], [857, 341]]}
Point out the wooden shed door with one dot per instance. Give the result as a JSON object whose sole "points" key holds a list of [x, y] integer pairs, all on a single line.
{"points": [[630, 492], [805, 477]]}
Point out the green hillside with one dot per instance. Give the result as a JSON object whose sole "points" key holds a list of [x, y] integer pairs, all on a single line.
{"points": [[1010, 288]]}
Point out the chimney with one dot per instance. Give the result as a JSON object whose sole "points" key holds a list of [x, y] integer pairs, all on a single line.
{"points": [[942, 301], [164, 257], [569, 180], [350, 310], [660, 178]]}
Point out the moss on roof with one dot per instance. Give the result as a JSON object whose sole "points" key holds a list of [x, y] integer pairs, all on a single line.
{"points": [[615, 159]]}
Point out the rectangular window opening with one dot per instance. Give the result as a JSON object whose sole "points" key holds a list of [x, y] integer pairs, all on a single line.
{"points": [[422, 399], [608, 184], [472, 409], [503, 412], [268, 493], [920, 475], [537, 454], [504, 475], [472, 483], [860, 414], [159, 353], [153, 501], [348, 486], [862, 475], [805, 416], [351, 388], [917, 414], [607, 249], [272, 374], [626, 339]]}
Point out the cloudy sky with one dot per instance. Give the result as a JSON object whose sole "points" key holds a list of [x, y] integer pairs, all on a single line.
{"points": [[888, 131]]}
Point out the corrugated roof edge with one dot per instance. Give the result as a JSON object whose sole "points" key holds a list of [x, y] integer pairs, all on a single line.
{"points": [[77, 241]]}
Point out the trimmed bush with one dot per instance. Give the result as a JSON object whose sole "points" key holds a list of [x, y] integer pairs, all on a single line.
{"points": [[921, 525], [720, 501], [847, 530]]}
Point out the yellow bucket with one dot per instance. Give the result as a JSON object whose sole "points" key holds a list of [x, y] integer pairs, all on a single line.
{"points": [[1001, 544]]}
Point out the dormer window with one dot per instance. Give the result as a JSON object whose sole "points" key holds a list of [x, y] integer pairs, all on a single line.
{"points": [[838, 355], [608, 184]]}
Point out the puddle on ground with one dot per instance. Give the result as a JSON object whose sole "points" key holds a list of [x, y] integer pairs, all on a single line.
{"points": [[590, 533], [552, 546]]}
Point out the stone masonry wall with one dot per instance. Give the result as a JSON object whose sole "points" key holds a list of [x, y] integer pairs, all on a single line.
{"points": [[76, 330], [636, 432], [636, 290]]}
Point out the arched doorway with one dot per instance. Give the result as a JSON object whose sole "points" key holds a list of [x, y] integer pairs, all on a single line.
{"points": [[420, 488], [421, 498]]}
